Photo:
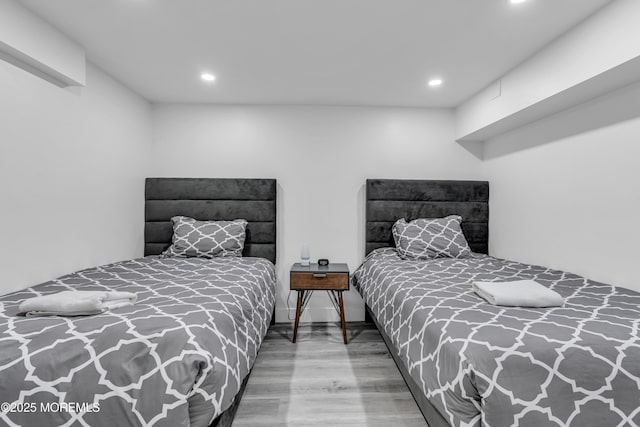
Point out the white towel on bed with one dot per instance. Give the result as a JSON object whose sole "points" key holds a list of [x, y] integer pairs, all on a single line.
{"points": [[518, 293], [76, 303]]}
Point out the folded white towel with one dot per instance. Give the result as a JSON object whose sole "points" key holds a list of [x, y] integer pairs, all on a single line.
{"points": [[76, 303], [518, 293]]}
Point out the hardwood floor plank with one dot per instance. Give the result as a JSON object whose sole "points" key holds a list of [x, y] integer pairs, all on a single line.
{"points": [[319, 381]]}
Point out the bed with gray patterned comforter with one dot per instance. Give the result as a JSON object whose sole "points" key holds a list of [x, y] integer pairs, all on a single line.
{"points": [[479, 364], [175, 358]]}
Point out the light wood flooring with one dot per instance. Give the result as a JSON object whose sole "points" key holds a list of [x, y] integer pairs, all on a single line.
{"points": [[321, 382]]}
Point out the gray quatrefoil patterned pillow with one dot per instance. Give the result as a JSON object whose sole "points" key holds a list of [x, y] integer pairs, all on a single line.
{"points": [[425, 238], [206, 239]]}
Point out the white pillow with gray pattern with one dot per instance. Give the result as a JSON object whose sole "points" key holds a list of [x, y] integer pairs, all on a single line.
{"points": [[206, 239], [426, 238]]}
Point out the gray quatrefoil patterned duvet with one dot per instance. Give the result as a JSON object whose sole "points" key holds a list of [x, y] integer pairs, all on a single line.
{"points": [[176, 358], [483, 365]]}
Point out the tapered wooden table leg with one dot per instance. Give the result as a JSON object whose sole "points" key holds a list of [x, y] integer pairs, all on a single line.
{"points": [[298, 308], [344, 325]]}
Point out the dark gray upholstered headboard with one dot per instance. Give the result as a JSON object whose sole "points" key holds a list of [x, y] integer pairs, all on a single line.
{"points": [[212, 199], [391, 199]]}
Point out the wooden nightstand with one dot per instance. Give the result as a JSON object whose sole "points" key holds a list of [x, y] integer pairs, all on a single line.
{"points": [[333, 278]]}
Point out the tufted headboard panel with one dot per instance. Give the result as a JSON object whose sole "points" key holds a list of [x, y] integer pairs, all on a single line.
{"points": [[212, 199], [391, 199]]}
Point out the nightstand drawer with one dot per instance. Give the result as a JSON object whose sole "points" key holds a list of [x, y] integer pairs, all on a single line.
{"points": [[320, 281]]}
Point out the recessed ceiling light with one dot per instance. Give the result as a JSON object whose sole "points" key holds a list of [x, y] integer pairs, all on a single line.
{"points": [[207, 77], [517, 1], [435, 82]]}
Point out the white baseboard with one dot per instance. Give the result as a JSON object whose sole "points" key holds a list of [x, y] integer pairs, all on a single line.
{"points": [[317, 314]]}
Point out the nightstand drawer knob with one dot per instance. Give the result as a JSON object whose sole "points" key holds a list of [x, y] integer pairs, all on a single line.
{"points": [[319, 275]]}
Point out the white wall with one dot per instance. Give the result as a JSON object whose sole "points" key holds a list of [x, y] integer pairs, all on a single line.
{"points": [[321, 157], [565, 192], [584, 62], [29, 42], [72, 168]]}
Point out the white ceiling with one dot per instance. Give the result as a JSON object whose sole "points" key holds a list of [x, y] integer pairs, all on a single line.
{"points": [[334, 52]]}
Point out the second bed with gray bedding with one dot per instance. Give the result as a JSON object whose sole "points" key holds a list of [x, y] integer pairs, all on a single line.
{"points": [[480, 364]]}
